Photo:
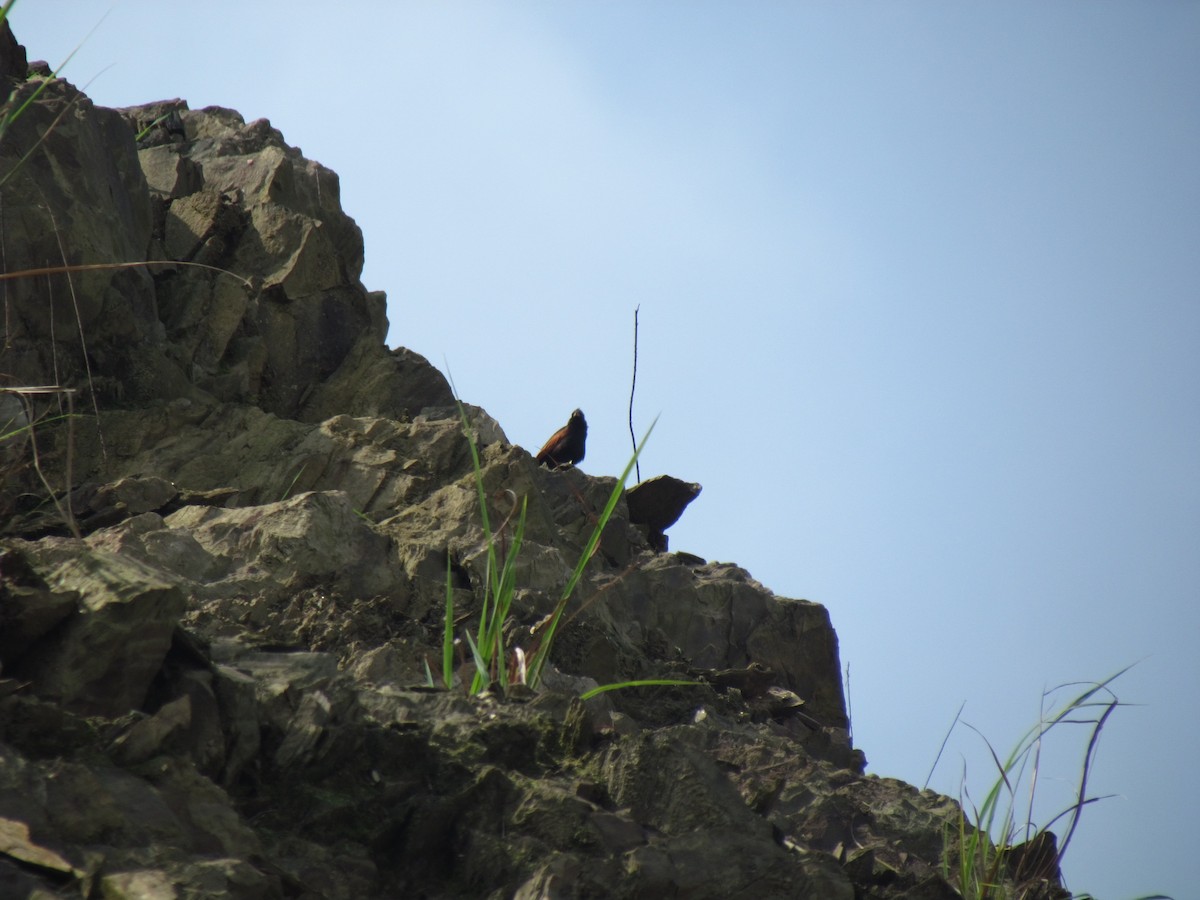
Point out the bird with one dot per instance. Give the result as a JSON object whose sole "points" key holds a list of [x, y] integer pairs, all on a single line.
{"points": [[565, 447]]}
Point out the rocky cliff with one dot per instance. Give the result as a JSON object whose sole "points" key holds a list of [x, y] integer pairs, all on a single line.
{"points": [[227, 519]]}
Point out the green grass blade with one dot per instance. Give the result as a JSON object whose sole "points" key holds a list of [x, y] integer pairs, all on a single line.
{"points": [[496, 653], [982, 871], [10, 116], [543, 650], [508, 574], [448, 632], [481, 668], [641, 682]]}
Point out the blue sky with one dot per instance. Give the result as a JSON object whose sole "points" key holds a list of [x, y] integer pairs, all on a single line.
{"points": [[919, 291]]}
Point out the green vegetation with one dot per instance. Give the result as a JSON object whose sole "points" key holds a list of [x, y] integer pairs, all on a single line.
{"points": [[493, 661], [1024, 855]]}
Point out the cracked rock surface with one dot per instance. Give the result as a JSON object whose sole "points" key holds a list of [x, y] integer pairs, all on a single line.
{"points": [[213, 641]]}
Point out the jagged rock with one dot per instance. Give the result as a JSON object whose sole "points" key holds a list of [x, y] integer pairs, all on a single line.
{"points": [[294, 692], [103, 657], [12, 55], [82, 190], [729, 621], [133, 496], [399, 384], [223, 193], [381, 464], [673, 787], [16, 843], [1034, 863], [29, 608], [108, 821], [94, 506], [158, 124], [169, 174], [309, 339], [219, 879], [307, 539], [149, 736], [657, 503]]}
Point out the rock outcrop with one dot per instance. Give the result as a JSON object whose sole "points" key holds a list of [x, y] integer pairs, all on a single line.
{"points": [[221, 587]]}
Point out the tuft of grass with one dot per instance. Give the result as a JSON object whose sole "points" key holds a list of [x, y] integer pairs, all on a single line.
{"points": [[492, 660], [542, 652], [1024, 856]]}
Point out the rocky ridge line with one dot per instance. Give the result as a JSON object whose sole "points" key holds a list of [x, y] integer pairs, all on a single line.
{"points": [[217, 691]]}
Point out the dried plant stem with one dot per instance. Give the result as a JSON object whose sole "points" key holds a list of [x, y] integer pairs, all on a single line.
{"points": [[4, 268], [87, 363], [64, 511], [137, 264], [53, 336]]}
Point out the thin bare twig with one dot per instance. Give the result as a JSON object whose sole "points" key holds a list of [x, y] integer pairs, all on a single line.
{"points": [[66, 512], [4, 268], [53, 337], [96, 267], [87, 363], [67, 479]]}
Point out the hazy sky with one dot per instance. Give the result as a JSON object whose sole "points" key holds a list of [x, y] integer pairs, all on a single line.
{"points": [[919, 290]]}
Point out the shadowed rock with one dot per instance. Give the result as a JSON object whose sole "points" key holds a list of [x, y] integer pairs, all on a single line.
{"points": [[104, 656], [657, 504], [12, 58]]}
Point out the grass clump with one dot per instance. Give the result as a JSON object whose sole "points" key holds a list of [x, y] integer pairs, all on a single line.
{"points": [[493, 661], [1023, 862]]}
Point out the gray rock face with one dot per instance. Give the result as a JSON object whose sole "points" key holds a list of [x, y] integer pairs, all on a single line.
{"points": [[235, 196], [220, 689], [80, 198], [101, 659], [257, 300]]}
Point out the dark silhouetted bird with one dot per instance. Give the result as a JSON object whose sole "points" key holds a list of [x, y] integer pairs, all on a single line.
{"points": [[565, 447]]}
